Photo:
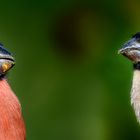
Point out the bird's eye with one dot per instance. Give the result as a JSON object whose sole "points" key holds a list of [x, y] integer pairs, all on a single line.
{"points": [[138, 40]]}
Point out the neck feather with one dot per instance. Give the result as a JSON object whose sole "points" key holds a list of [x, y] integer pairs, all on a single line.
{"points": [[11, 121]]}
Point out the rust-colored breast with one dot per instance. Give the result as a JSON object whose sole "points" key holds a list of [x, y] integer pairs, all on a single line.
{"points": [[11, 121]]}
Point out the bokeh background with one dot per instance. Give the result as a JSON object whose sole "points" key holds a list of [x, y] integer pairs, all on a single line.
{"points": [[70, 80]]}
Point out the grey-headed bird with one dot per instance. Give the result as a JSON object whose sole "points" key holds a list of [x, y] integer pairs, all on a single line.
{"points": [[11, 121], [131, 50]]}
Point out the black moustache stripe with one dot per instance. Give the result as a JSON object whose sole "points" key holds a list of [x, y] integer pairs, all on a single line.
{"points": [[136, 66]]}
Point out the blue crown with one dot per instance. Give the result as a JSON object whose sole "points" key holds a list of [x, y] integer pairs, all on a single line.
{"points": [[137, 35], [3, 50]]}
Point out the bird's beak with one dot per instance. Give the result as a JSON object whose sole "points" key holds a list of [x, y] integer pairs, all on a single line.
{"points": [[131, 49], [6, 60]]}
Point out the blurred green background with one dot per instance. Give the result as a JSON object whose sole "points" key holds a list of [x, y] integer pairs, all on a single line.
{"points": [[70, 80]]}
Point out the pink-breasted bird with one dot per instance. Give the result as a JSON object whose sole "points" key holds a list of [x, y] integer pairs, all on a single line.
{"points": [[11, 121]]}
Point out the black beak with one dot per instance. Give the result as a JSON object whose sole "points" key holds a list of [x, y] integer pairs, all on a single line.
{"points": [[131, 49], [130, 45], [7, 61], [4, 54]]}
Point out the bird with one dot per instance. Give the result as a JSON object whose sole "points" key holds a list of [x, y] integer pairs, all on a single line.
{"points": [[12, 126], [131, 50]]}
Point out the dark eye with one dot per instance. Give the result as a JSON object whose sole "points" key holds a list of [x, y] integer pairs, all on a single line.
{"points": [[138, 40]]}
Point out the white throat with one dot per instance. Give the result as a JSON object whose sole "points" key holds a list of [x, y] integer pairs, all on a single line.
{"points": [[135, 93]]}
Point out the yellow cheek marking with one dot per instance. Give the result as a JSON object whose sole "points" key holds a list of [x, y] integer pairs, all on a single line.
{"points": [[6, 67]]}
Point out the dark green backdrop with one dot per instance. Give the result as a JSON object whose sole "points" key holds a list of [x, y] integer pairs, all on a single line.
{"points": [[70, 80]]}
